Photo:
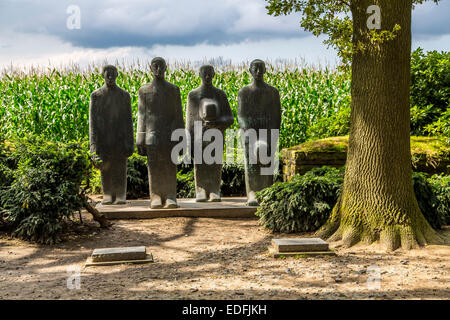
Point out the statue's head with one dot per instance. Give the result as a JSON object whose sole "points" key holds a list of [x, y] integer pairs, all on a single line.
{"points": [[257, 69], [158, 67], [207, 74], [110, 74]]}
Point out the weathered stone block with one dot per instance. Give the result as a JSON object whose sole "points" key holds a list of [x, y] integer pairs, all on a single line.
{"points": [[299, 245], [119, 254]]}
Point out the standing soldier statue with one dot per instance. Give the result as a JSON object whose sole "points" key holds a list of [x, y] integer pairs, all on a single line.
{"points": [[259, 107], [207, 106], [111, 135], [160, 113]]}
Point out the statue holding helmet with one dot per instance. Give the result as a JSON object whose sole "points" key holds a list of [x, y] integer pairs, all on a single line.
{"points": [[208, 111]]}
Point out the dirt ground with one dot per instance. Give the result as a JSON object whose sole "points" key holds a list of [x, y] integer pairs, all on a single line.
{"points": [[203, 258]]}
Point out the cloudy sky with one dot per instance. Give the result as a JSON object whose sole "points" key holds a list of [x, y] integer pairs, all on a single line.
{"points": [[35, 32]]}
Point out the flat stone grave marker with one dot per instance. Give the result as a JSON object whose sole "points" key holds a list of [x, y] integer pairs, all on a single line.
{"points": [[300, 246], [110, 256]]}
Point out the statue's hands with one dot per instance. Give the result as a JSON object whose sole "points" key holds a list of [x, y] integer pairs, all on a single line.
{"points": [[151, 139], [140, 138], [140, 143]]}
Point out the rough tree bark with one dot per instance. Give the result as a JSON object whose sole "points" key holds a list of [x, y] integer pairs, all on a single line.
{"points": [[377, 200]]}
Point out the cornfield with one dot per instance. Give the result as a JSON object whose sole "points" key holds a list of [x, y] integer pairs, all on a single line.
{"points": [[54, 103]]}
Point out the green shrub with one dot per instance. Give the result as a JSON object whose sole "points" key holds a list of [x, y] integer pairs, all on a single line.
{"points": [[430, 88], [430, 100], [428, 201], [137, 177], [185, 184], [441, 187], [301, 205], [95, 181], [421, 118], [441, 127], [331, 172], [44, 191], [335, 125], [305, 203], [233, 180]]}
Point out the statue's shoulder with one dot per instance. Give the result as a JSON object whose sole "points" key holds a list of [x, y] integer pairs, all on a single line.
{"points": [[272, 89], [172, 86], [221, 93], [98, 93], [194, 93], [96, 96], [145, 89], [124, 93], [244, 90]]}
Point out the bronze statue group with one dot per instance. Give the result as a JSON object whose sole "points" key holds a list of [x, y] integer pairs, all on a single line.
{"points": [[159, 114]]}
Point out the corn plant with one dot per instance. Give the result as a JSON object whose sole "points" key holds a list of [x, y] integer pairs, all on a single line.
{"points": [[54, 103]]}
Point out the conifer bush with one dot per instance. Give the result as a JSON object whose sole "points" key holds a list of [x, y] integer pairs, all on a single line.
{"points": [[44, 191], [302, 204]]}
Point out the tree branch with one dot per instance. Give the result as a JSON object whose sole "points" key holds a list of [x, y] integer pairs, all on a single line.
{"points": [[97, 215]]}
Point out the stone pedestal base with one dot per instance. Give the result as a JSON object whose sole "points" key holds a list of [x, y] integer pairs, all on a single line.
{"points": [[140, 209]]}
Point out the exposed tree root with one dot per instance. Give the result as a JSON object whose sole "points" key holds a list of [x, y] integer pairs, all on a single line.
{"points": [[391, 237], [355, 226]]}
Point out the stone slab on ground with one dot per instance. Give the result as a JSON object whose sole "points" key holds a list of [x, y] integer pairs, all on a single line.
{"points": [[119, 254], [90, 263], [233, 207], [299, 245], [276, 254]]}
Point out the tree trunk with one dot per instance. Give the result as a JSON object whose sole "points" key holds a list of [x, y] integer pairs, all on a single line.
{"points": [[377, 200]]}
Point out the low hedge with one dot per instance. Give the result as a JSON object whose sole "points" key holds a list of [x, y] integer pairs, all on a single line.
{"points": [[305, 203], [441, 188], [302, 204]]}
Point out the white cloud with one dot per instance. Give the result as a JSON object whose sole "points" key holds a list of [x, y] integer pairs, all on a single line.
{"points": [[253, 17], [34, 32], [110, 23], [54, 52]]}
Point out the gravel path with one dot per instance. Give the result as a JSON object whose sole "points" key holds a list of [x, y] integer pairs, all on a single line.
{"points": [[215, 259]]}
